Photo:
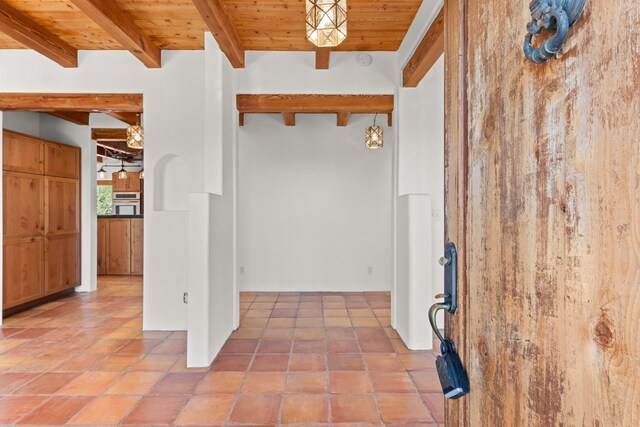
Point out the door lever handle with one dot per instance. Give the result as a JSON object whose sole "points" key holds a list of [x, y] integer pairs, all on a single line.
{"points": [[433, 311]]}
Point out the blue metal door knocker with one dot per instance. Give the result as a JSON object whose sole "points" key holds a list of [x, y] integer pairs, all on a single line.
{"points": [[555, 16]]}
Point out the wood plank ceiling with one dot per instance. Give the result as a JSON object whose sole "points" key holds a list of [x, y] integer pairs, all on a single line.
{"points": [[260, 24]]}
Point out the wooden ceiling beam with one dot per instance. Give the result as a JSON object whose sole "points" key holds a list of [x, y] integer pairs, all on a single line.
{"points": [[113, 20], [426, 54], [50, 102], [343, 118], [109, 134], [214, 15], [289, 105], [323, 57], [289, 119], [22, 29], [77, 117], [128, 118], [119, 146]]}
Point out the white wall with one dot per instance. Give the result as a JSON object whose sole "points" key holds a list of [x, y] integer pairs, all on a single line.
{"points": [[420, 166], [174, 124], [314, 206], [23, 122]]}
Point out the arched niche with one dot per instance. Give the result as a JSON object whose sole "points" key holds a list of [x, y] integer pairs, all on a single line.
{"points": [[171, 184]]}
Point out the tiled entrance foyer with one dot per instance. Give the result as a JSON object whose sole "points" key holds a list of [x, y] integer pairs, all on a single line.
{"points": [[296, 359]]}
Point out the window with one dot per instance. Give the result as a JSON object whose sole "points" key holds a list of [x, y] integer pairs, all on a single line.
{"points": [[105, 193]]}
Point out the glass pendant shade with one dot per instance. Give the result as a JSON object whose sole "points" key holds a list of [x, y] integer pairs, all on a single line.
{"points": [[326, 22], [142, 174], [135, 137], [102, 174], [122, 173], [373, 137]]}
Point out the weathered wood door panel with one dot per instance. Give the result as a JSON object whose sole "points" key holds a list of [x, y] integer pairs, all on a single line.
{"points": [[549, 328]]}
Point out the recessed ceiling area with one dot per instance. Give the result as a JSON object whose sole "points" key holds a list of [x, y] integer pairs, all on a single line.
{"points": [[260, 25]]}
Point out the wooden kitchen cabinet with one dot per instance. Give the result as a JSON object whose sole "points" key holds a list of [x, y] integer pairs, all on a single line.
{"points": [[137, 247], [41, 218], [61, 160], [131, 184], [102, 247], [120, 246]]}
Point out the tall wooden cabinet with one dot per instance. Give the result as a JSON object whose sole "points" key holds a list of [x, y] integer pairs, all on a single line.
{"points": [[41, 218]]}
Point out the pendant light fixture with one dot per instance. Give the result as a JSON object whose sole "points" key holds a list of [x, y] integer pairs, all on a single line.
{"points": [[326, 22], [373, 137], [135, 136], [142, 174], [122, 173], [102, 174]]}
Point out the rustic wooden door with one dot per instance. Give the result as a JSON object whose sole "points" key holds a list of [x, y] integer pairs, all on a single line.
{"points": [[543, 200]]}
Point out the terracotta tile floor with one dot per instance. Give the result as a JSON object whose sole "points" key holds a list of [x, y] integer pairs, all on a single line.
{"points": [[310, 358]]}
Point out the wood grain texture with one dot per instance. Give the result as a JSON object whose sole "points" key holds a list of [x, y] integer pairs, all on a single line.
{"points": [[323, 57], [429, 50], [289, 105], [102, 246], [260, 25], [456, 183], [34, 36], [109, 134], [128, 118], [75, 117], [214, 14], [22, 153], [111, 18], [49, 102], [41, 218], [119, 246], [553, 221], [61, 160], [137, 246]]}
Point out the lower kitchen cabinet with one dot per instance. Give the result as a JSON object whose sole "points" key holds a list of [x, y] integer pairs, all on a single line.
{"points": [[120, 246]]}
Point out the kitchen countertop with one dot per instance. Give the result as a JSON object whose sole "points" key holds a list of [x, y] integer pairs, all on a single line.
{"points": [[119, 216]]}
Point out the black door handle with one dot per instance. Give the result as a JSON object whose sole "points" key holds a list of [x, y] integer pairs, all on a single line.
{"points": [[453, 378]]}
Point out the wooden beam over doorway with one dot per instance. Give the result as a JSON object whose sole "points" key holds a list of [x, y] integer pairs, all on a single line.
{"points": [[50, 102]]}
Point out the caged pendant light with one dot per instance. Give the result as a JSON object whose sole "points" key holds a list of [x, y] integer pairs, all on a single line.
{"points": [[135, 136], [326, 22], [373, 136], [102, 174], [122, 173]]}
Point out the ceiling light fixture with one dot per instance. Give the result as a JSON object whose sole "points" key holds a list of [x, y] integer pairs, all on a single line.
{"points": [[135, 136], [373, 136], [122, 173], [102, 174], [326, 22]]}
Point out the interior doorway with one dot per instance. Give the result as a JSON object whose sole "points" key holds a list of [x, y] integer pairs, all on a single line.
{"points": [[48, 146]]}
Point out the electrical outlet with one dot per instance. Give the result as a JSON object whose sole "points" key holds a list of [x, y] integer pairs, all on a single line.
{"points": [[185, 297], [241, 270], [370, 271]]}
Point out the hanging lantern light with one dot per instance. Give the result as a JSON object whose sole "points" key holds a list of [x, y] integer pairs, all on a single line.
{"points": [[122, 173], [373, 137], [135, 136], [326, 22], [102, 174], [142, 174]]}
